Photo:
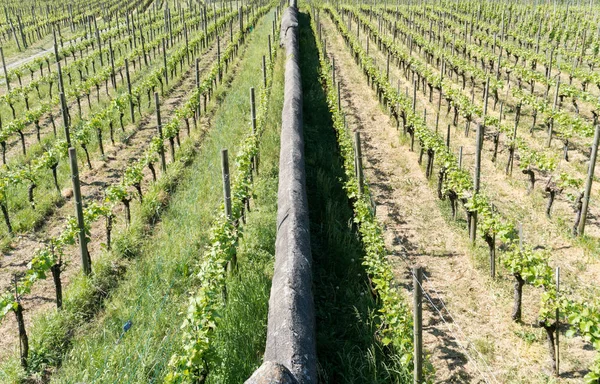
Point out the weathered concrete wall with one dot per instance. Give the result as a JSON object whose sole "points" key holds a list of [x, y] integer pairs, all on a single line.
{"points": [[291, 327]]}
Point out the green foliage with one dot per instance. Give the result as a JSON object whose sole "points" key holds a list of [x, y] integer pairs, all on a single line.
{"points": [[394, 314], [206, 304]]}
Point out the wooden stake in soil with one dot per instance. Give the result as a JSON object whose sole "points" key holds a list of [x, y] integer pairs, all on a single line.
{"points": [[198, 73], [113, 78], [61, 84], [253, 116], [387, 70], [270, 52], [264, 68], [588, 183], [414, 100], [358, 162], [439, 110], [129, 91], [333, 69], [219, 57], [485, 99], [418, 324], [5, 71], [99, 42], [227, 199], [56, 56], [23, 339], [551, 123], [65, 116], [163, 161], [460, 153], [85, 256], [226, 183], [339, 95], [476, 180], [164, 47]]}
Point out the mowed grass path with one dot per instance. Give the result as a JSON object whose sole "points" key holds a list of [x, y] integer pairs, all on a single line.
{"points": [[154, 291]]}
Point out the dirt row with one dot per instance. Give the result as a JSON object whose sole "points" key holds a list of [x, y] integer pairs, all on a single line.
{"points": [[471, 338], [577, 166], [539, 89], [511, 197], [136, 72]]}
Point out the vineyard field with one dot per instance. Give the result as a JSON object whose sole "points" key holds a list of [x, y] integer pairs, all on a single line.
{"points": [[327, 191]]}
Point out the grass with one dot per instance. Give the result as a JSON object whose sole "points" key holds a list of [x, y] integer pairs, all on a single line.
{"points": [[242, 331], [23, 216], [154, 290], [155, 286], [347, 348]]}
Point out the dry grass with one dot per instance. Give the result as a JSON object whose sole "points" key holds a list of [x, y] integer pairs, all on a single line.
{"points": [[476, 337]]}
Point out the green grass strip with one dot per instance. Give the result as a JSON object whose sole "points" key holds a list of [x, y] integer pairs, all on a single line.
{"points": [[394, 317], [155, 285]]}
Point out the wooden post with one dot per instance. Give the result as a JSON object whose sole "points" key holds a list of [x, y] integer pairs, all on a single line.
{"points": [[264, 68], [485, 99], [549, 69], [55, 46], [14, 30], [439, 109], [551, 123], [61, 84], [448, 137], [98, 42], [170, 29], [588, 183], [23, 339], [414, 101], [70, 7], [22, 32], [557, 354], [226, 183], [387, 70], [112, 65], [270, 53], [339, 95], [5, 71], [418, 324], [333, 69], [219, 57], [197, 73], [476, 180], [85, 257], [65, 116], [460, 152], [164, 47], [253, 117], [129, 91], [163, 161], [144, 49], [358, 162]]}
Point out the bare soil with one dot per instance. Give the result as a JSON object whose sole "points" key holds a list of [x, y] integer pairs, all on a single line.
{"points": [[468, 331]]}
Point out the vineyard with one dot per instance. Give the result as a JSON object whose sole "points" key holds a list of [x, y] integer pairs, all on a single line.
{"points": [[315, 191]]}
